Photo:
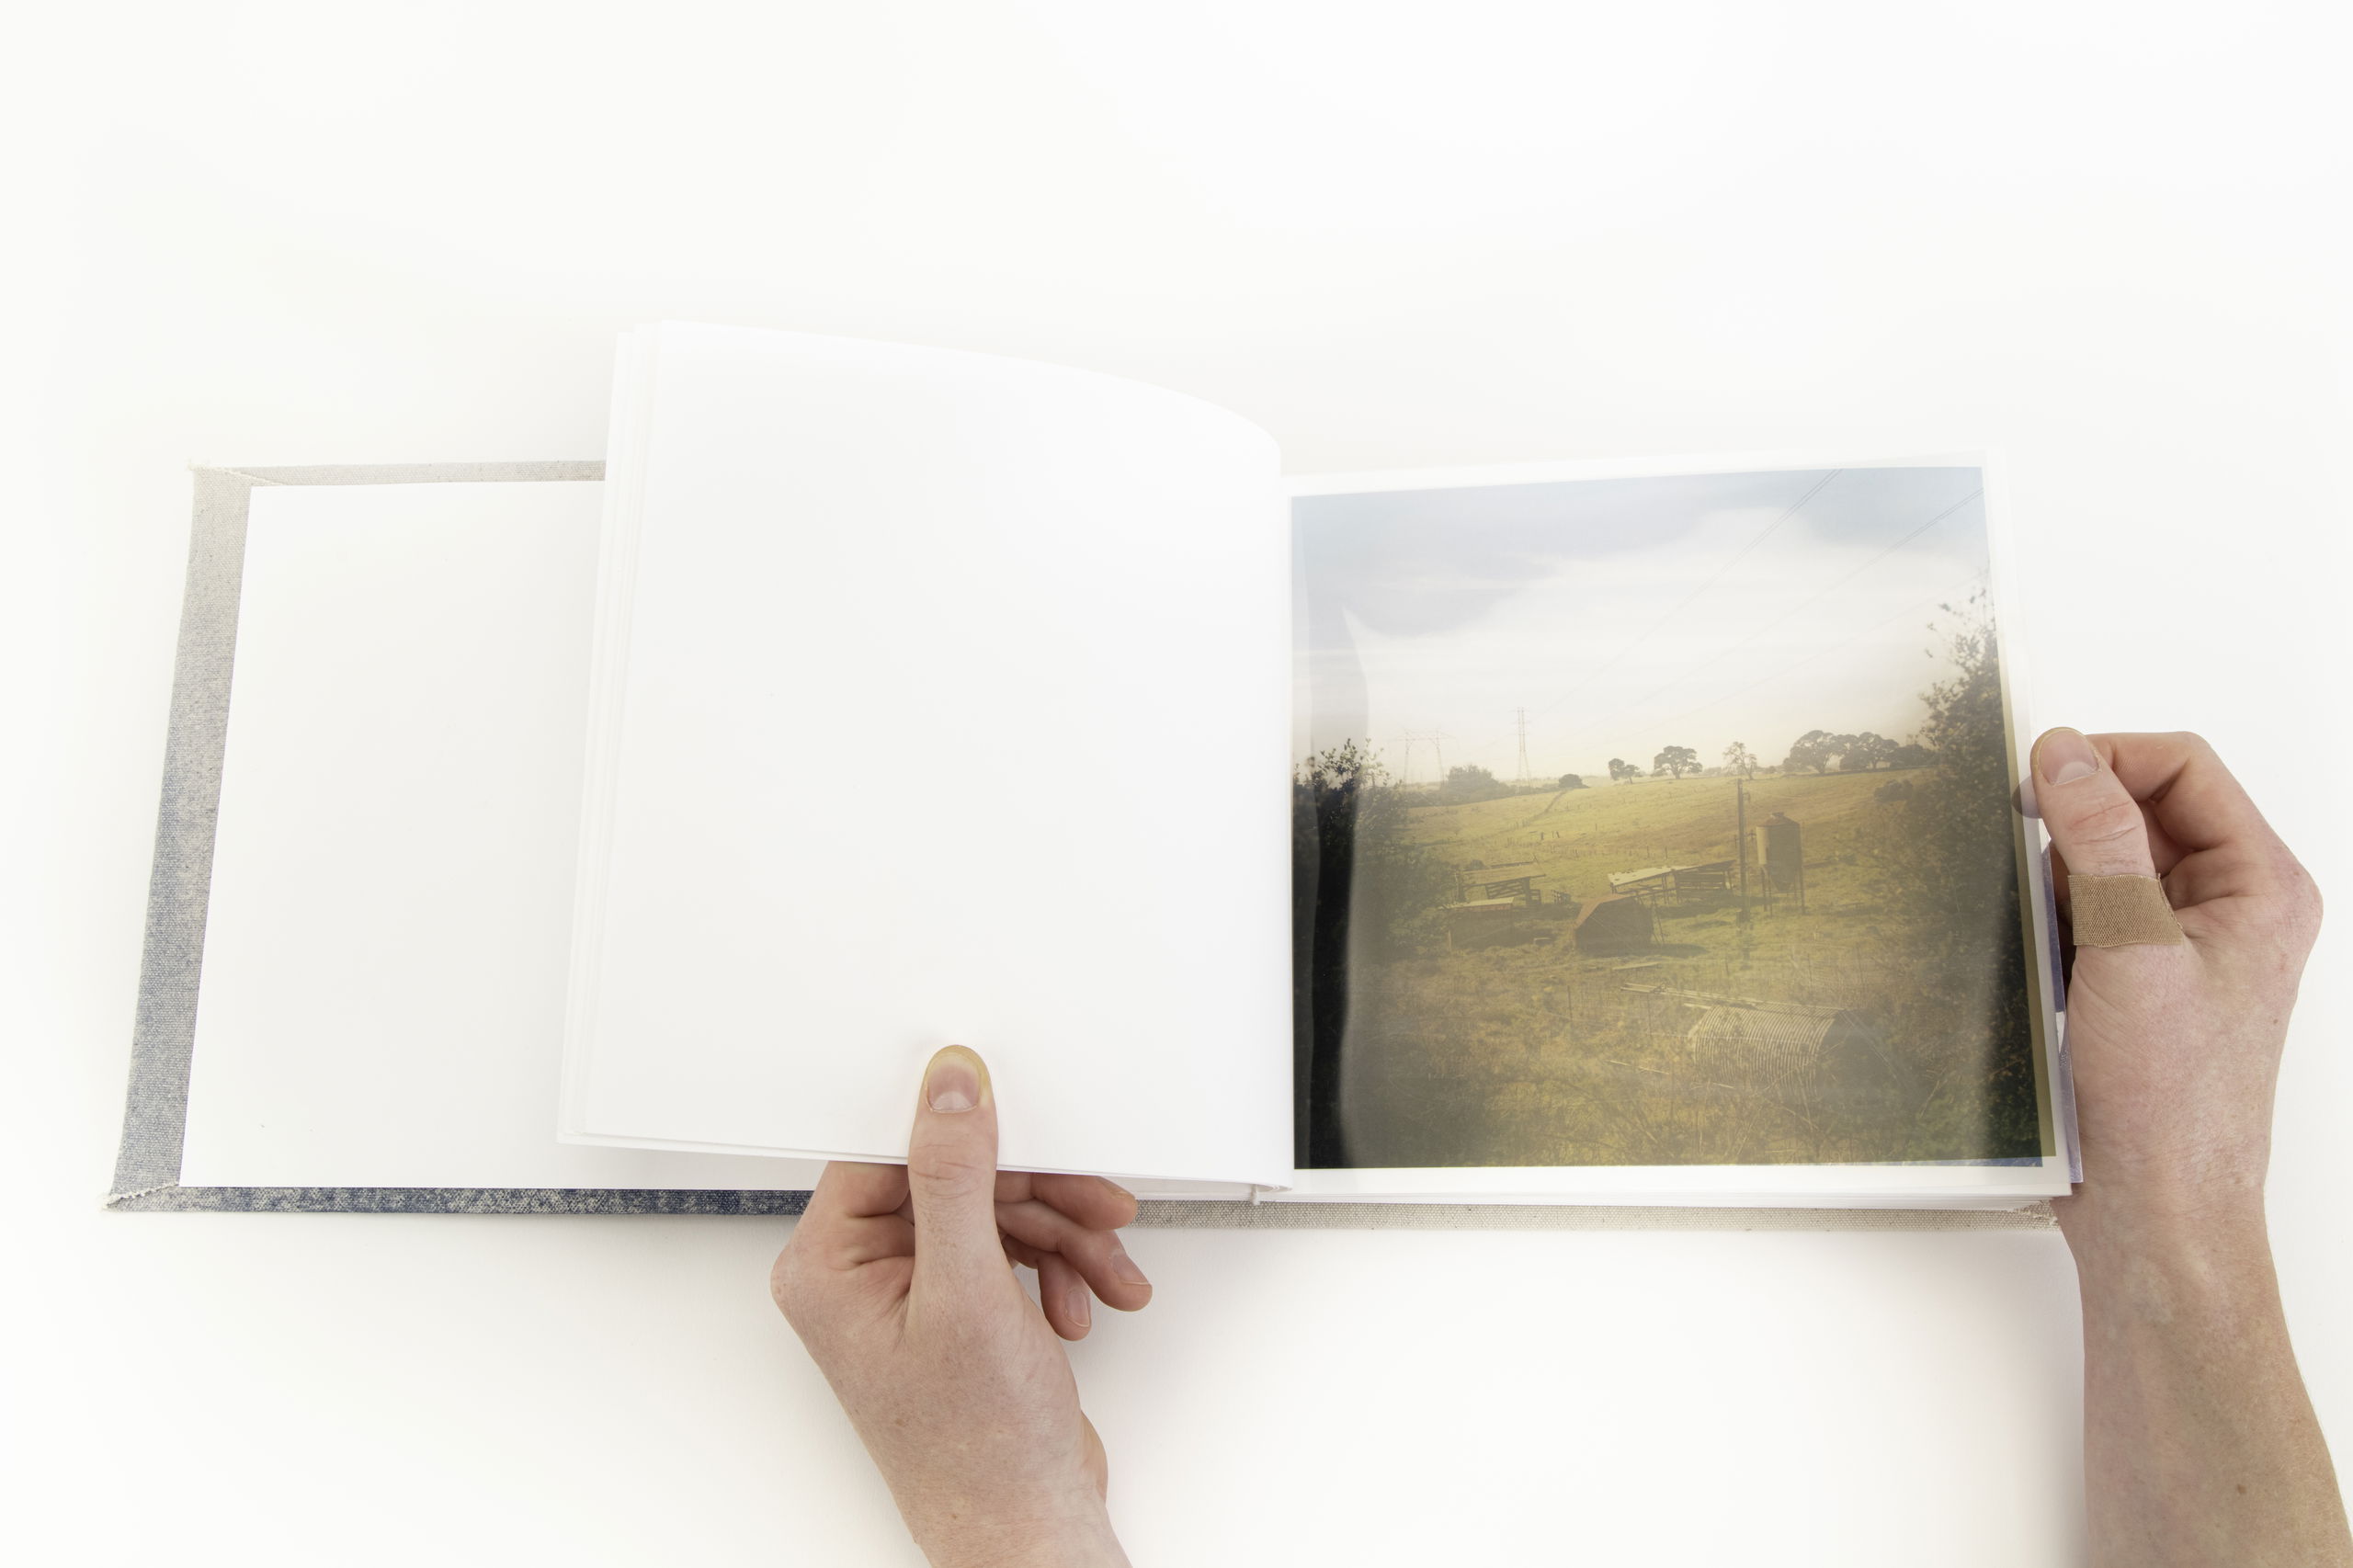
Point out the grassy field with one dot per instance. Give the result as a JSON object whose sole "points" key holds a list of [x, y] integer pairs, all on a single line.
{"points": [[1577, 838], [1511, 1047]]}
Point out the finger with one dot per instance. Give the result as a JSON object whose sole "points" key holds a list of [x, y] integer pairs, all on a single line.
{"points": [[1065, 1296], [2195, 803], [1088, 1199], [2200, 800], [2165, 850], [854, 1190], [951, 1170], [856, 1215], [2096, 825], [1096, 1254], [2163, 853]]}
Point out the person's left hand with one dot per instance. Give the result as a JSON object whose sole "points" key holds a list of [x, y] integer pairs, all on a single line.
{"points": [[900, 1281]]}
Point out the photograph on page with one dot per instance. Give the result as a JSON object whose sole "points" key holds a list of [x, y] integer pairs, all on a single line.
{"points": [[1660, 820]]}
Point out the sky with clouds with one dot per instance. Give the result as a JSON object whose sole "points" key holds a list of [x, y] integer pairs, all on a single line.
{"points": [[1629, 615]]}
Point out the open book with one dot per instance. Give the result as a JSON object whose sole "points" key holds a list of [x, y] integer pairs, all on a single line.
{"points": [[1500, 835], [1632, 834]]}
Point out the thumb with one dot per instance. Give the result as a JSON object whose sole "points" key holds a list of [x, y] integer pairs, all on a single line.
{"points": [[2096, 825], [951, 1166]]}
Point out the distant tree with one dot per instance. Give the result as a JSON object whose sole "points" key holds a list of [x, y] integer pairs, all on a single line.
{"points": [[1859, 752], [1812, 753], [1677, 760], [1864, 752], [1739, 759], [1571, 781], [1472, 783], [1620, 770], [1659, 772], [1911, 754], [1817, 750]]}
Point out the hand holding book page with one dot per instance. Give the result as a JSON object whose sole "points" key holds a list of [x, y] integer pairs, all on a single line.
{"points": [[897, 1281], [2200, 1443]]}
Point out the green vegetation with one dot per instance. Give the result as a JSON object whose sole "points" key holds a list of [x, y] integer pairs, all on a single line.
{"points": [[1882, 1016], [1473, 784], [1818, 749], [1950, 852]]}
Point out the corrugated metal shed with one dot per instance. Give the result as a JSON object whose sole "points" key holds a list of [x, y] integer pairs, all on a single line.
{"points": [[1734, 1029], [1786, 1037]]}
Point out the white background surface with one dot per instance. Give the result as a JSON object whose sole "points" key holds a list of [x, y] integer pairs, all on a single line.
{"points": [[2106, 239]]}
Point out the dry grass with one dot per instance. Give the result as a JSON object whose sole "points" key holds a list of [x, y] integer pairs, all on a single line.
{"points": [[1525, 1051]]}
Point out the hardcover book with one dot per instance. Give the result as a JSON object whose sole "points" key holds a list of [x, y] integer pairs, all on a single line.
{"points": [[1558, 832]]}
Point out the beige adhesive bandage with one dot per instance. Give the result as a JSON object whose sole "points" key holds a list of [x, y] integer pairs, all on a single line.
{"points": [[2118, 912]]}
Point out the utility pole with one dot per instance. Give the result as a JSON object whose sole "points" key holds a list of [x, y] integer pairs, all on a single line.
{"points": [[1740, 843], [1521, 715], [1405, 765], [1437, 751]]}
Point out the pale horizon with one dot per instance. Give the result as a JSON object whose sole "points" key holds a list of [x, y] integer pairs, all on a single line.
{"points": [[1629, 616]]}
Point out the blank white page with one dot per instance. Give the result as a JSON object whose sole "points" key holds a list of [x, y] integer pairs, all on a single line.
{"points": [[941, 698], [383, 994]]}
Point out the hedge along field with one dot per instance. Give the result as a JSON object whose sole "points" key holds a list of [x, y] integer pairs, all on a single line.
{"points": [[1511, 1047]]}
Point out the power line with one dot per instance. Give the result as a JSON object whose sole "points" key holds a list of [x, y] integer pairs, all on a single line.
{"points": [[1434, 739]]}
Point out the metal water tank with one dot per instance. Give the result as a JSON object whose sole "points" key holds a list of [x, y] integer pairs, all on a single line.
{"points": [[1780, 851]]}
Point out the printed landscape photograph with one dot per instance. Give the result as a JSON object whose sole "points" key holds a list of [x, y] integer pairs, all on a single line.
{"points": [[1657, 822]]}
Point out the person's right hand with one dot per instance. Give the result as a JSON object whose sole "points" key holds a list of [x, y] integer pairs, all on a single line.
{"points": [[2175, 1047], [900, 1281], [2200, 1444]]}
